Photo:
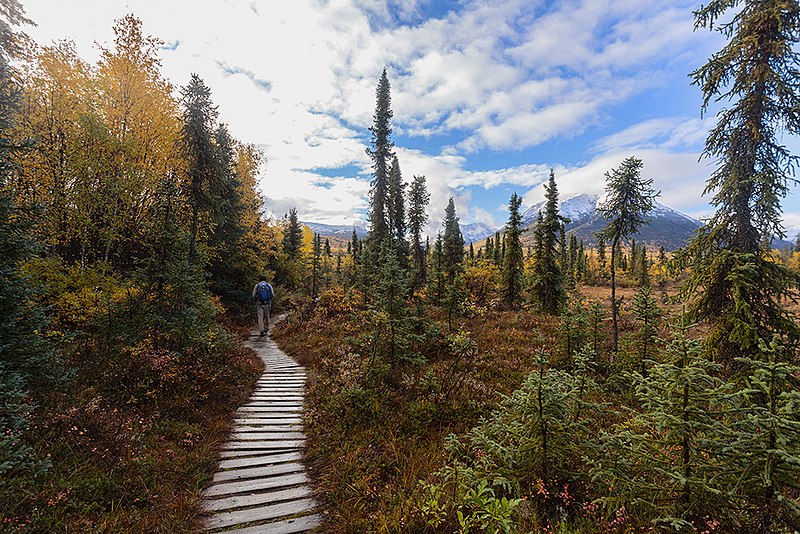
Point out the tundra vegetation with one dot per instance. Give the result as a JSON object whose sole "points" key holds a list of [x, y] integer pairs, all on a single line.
{"points": [[455, 387]]}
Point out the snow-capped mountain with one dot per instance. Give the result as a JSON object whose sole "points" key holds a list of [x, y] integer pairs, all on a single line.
{"points": [[332, 230], [474, 232], [577, 209], [667, 227]]}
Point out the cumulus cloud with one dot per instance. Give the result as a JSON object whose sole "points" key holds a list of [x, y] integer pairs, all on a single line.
{"points": [[298, 79]]}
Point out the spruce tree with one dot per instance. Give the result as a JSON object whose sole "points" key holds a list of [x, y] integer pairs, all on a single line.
{"points": [[27, 360], [381, 154], [661, 463], [644, 268], [647, 314], [760, 442], [629, 198], [601, 252], [293, 235], [452, 244], [396, 209], [513, 263], [737, 285], [316, 265], [230, 264], [571, 328], [547, 284], [418, 198], [497, 252], [437, 278], [595, 316], [199, 119], [353, 244], [391, 291]]}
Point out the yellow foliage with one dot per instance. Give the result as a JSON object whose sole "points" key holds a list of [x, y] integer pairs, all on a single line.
{"points": [[106, 137], [481, 281]]}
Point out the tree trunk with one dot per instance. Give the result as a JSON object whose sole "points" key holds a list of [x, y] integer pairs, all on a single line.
{"points": [[615, 326]]}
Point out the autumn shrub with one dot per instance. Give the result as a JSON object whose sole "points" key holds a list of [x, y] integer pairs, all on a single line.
{"points": [[131, 437]]}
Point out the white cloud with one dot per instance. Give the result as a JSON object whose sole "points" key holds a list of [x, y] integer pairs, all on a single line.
{"points": [[666, 133], [298, 78]]}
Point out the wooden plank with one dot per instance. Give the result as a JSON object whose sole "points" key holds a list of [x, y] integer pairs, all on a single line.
{"points": [[282, 406], [257, 472], [286, 406], [280, 444], [262, 513], [249, 418], [262, 459], [288, 526], [271, 398], [252, 486], [279, 397], [270, 411], [261, 484], [279, 423], [272, 404], [285, 377], [257, 421], [266, 436], [269, 395], [268, 428], [284, 403], [269, 497], [238, 453], [292, 380], [284, 392], [280, 379]]}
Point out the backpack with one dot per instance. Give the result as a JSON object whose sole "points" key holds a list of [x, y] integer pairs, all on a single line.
{"points": [[264, 293]]}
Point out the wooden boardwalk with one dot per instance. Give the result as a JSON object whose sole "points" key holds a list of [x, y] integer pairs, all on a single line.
{"points": [[261, 485]]}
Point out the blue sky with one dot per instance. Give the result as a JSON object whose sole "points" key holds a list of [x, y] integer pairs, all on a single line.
{"points": [[487, 95]]}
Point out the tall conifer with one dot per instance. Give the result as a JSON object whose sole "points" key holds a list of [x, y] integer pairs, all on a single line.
{"points": [[547, 284], [381, 154], [292, 235], [452, 243], [629, 198], [513, 263], [418, 198], [199, 119], [738, 286]]}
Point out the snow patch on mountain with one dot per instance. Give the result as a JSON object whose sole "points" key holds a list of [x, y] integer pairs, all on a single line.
{"points": [[474, 232], [333, 230]]}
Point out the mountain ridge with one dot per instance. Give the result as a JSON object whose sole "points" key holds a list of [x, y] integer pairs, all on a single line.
{"points": [[668, 227]]}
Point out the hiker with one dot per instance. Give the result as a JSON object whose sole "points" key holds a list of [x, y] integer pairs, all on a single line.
{"points": [[262, 295]]}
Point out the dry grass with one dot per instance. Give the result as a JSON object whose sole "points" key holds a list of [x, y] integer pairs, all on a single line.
{"points": [[371, 444]]}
